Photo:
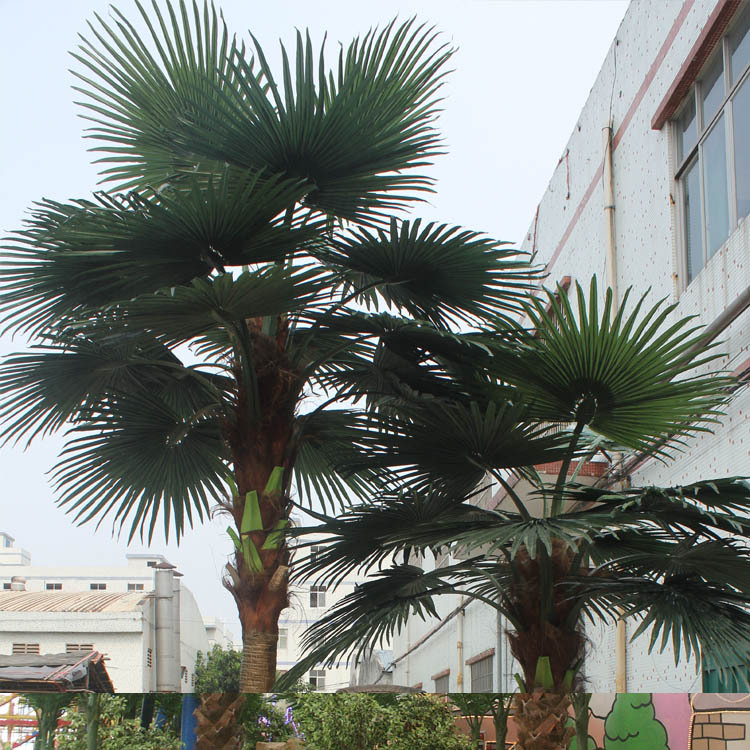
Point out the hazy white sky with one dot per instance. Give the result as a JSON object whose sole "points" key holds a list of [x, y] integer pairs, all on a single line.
{"points": [[522, 73]]}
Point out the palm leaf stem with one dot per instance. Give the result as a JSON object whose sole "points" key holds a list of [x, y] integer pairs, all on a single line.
{"points": [[557, 500], [512, 494]]}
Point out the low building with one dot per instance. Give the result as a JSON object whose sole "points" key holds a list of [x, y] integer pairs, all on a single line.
{"points": [[146, 623]]}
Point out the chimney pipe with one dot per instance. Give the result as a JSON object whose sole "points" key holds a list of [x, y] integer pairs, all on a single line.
{"points": [[166, 656]]}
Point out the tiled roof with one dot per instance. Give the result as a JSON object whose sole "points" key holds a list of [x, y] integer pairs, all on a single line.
{"points": [[79, 601]]}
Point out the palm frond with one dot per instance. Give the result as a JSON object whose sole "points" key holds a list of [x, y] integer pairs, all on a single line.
{"points": [[84, 255], [627, 378], [350, 136], [139, 458], [437, 273], [72, 373], [372, 614]]}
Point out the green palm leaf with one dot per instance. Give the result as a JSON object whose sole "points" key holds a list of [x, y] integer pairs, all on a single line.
{"points": [[350, 136], [123, 246], [69, 376], [139, 458], [437, 273], [627, 378]]}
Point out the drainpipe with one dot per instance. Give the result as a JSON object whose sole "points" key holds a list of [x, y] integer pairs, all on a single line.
{"points": [[165, 656], [499, 650], [609, 214], [621, 640], [460, 649], [177, 677]]}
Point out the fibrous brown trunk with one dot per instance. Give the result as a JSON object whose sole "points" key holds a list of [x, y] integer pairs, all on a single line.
{"points": [[218, 725], [541, 715], [540, 721], [259, 445]]}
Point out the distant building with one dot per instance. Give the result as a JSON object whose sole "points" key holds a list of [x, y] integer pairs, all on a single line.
{"points": [[307, 604], [670, 113], [135, 614]]}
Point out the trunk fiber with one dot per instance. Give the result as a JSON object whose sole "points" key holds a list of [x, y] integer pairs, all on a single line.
{"points": [[540, 720], [258, 672], [218, 725]]}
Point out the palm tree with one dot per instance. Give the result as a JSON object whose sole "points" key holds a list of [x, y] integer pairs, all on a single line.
{"points": [[245, 259], [555, 552]]}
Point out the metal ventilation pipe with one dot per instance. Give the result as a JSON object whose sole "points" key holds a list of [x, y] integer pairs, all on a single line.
{"points": [[176, 623], [18, 583], [166, 652]]}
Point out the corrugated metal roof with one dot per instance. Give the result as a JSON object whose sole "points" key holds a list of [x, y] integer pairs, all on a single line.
{"points": [[78, 601]]}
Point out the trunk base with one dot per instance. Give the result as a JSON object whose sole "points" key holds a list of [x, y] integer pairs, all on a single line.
{"points": [[218, 726], [258, 672], [540, 719]]}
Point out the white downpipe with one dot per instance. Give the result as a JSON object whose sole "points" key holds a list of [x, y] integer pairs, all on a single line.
{"points": [[165, 645], [621, 638], [177, 676], [609, 215], [460, 649]]}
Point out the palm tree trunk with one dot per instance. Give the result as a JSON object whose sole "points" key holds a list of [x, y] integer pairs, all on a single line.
{"points": [[218, 726], [540, 720], [258, 671]]}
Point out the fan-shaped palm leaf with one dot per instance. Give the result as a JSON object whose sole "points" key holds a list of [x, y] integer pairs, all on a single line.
{"points": [[74, 372], [437, 273], [628, 378], [86, 255], [349, 136], [140, 458]]}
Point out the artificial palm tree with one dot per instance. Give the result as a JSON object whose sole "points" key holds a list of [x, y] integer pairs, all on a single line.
{"points": [[218, 326], [555, 552]]}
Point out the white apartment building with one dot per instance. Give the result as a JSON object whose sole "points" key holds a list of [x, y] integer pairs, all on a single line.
{"points": [[135, 614], [308, 603], [671, 106]]}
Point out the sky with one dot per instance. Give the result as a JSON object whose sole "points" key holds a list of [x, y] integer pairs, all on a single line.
{"points": [[521, 75]]}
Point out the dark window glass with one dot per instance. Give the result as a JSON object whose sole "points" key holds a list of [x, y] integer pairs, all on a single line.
{"points": [[481, 675], [741, 112], [688, 129], [715, 187], [739, 46], [712, 89], [441, 684], [693, 234]]}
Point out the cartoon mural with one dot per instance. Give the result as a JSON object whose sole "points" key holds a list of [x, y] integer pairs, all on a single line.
{"points": [[659, 721]]}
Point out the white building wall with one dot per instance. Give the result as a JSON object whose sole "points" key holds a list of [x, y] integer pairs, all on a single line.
{"points": [[568, 234], [120, 636], [299, 616], [194, 634]]}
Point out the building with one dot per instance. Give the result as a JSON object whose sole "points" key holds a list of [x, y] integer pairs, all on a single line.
{"points": [[135, 614], [308, 602], [651, 191]]}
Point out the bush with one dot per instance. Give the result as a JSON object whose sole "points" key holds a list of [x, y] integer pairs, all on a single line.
{"points": [[424, 721], [115, 732]]}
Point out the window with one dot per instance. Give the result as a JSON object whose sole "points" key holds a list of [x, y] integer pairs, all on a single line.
{"points": [[318, 679], [184, 673], [712, 138], [25, 648], [318, 596], [6, 587], [53, 587], [135, 587], [74, 648], [151, 563], [149, 657], [98, 586], [315, 552], [481, 675], [441, 683], [283, 638]]}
